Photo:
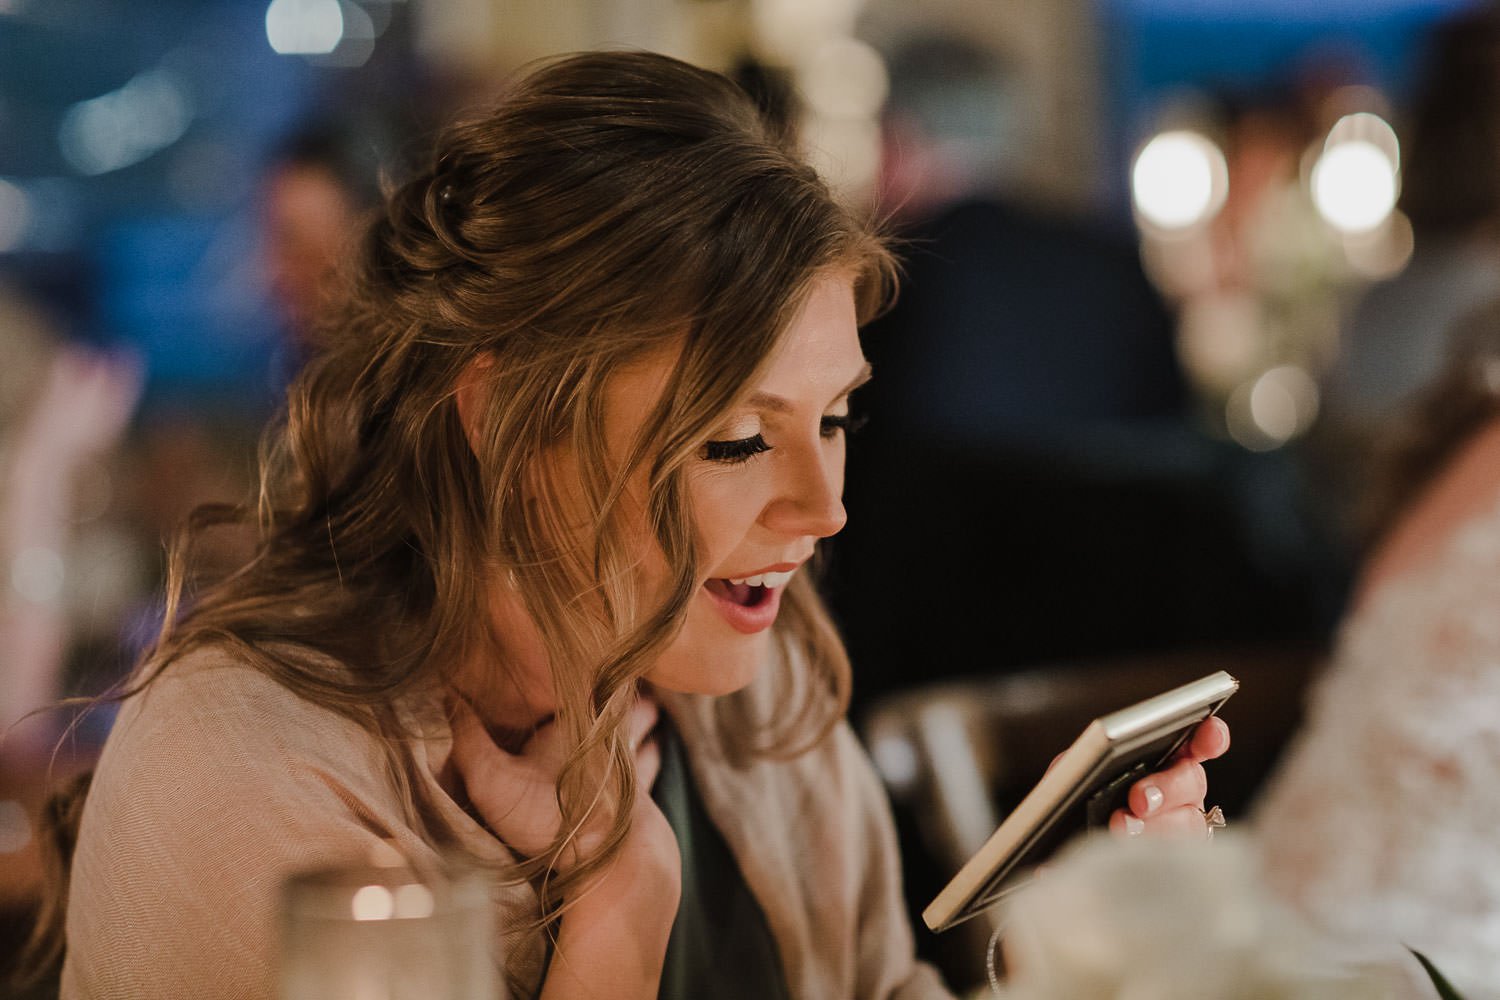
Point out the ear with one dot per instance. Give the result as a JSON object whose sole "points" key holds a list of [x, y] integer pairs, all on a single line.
{"points": [[469, 392]]}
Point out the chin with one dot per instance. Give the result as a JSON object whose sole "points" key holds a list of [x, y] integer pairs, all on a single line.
{"points": [[709, 664]]}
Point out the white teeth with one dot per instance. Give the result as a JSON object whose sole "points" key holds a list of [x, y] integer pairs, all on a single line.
{"points": [[764, 579]]}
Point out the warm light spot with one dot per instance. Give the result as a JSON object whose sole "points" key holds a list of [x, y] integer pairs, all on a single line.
{"points": [[373, 902], [414, 902], [844, 78], [784, 31], [1357, 177], [1179, 180], [1274, 408], [1365, 126]]}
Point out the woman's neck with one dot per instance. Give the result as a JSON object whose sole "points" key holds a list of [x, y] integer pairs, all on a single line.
{"points": [[507, 679]]}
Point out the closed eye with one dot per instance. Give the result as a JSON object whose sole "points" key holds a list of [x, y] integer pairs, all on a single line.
{"points": [[736, 451], [743, 449]]}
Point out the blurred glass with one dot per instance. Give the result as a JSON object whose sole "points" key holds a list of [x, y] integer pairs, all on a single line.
{"points": [[378, 933]]}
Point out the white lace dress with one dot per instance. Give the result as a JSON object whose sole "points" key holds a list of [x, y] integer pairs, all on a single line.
{"points": [[1383, 825]]}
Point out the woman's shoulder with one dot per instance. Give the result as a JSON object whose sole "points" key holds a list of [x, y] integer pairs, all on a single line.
{"points": [[216, 783], [212, 713], [220, 683]]}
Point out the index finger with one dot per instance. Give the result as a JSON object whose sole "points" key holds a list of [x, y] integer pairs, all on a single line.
{"points": [[475, 754], [1209, 740]]}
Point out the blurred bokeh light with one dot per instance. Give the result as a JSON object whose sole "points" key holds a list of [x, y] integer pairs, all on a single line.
{"points": [[125, 126], [1179, 180], [305, 27], [1357, 177], [843, 78]]}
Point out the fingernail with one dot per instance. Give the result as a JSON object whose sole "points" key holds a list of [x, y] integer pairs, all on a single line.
{"points": [[1133, 825], [1153, 799]]}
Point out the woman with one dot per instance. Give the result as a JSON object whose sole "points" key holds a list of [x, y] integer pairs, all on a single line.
{"points": [[564, 458], [1380, 824]]}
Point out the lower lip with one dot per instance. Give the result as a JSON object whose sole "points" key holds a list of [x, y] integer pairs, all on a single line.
{"points": [[748, 620]]}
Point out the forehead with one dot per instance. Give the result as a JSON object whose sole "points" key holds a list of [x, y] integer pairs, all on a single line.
{"points": [[819, 354], [816, 358]]}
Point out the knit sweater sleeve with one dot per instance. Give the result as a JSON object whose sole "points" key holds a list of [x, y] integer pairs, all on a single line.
{"points": [[213, 788], [885, 952]]}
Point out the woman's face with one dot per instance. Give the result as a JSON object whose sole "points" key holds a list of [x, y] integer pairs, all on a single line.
{"points": [[766, 487]]}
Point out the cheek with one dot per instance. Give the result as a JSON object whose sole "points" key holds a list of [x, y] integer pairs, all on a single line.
{"points": [[726, 508]]}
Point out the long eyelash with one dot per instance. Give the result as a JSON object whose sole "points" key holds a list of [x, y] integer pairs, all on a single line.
{"points": [[744, 449], [741, 450], [848, 423]]}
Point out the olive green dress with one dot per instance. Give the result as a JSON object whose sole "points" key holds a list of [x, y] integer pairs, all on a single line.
{"points": [[721, 945]]}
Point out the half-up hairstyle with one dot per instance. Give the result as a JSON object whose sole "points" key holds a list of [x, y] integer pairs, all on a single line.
{"points": [[612, 205]]}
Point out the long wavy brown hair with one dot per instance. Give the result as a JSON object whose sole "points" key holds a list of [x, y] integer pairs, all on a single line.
{"points": [[612, 205]]}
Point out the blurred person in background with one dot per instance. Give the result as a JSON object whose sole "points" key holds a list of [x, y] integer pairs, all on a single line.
{"points": [[1395, 339], [536, 537], [1028, 377], [1018, 326], [1380, 824], [322, 184], [63, 409]]}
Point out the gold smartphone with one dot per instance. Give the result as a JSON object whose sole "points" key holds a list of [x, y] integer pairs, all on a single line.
{"points": [[1087, 782]]}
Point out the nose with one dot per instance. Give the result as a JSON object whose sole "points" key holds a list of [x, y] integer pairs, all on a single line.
{"points": [[810, 500]]}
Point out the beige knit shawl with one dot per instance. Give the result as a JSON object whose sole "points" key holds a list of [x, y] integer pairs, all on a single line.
{"points": [[217, 782]]}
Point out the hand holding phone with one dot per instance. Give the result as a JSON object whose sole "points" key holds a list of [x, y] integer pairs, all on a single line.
{"points": [[1096, 780]]}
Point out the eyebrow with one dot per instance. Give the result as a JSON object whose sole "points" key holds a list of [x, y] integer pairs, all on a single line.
{"points": [[772, 403]]}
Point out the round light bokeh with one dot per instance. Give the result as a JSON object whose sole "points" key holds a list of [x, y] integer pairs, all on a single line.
{"points": [[1179, 180], [1272, 409], [304, 27], [1354, 186], [373, 902]]}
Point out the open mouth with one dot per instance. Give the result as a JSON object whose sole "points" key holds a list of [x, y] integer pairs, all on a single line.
{"points": [[745, 595]]}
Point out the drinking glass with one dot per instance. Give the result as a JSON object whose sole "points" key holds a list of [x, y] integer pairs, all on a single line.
{"points": [[388, 933]]}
